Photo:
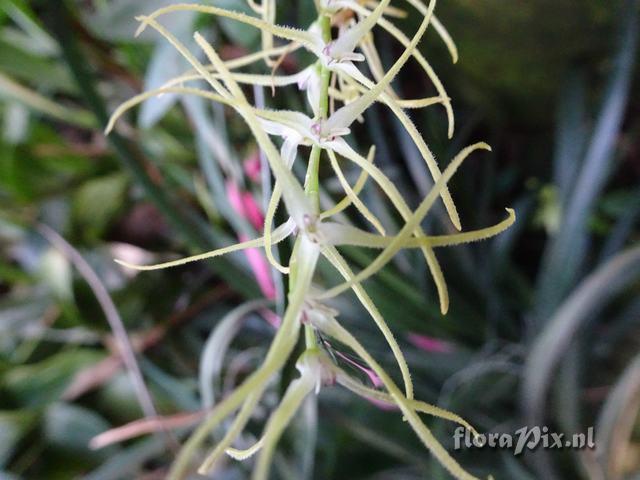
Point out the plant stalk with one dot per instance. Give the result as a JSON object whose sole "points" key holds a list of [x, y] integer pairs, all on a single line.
{"points": [[312, 186]]}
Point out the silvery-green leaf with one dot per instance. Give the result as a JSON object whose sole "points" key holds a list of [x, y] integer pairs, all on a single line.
{"points": [[56, 273], [238, 33], [166, 63], [71, 427], [16, 123], [116, 21]]}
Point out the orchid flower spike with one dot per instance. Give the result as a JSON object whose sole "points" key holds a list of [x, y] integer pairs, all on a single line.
{"points": [[337, 93]]}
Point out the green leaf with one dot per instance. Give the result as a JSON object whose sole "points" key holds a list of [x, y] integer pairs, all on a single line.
{"points": [[31, 36], [115, 20], [70, 427], [548, 349], [37, 384], [97, 201], [564, 256], [41, 72], [238, 33], [14, 425], [14, 91]]}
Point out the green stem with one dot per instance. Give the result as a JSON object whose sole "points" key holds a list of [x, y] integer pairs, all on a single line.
{"points": [[310, 341], [312, 183]]}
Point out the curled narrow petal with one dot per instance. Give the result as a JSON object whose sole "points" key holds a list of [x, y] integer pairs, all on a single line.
{"points": [[347, 114], [294, 196], [305, 38], [339, 234], [372, 394], [246, 78], [138, 99], [424, 64], [279, 234], [245, 453], [357, 188], [419, 142], [239, 62], [280, 418], [268, 11], [387, 186], [239, 423], [279, 351], [362, 208], [332, 327], [440, 28], [288, 153], [409, 226], [342, 266]]}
